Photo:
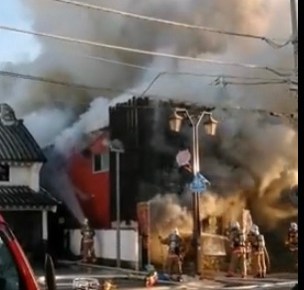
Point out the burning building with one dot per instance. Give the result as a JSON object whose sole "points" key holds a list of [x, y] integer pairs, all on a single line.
{"points": [[149, 171], [251, 161], [89, 173]]}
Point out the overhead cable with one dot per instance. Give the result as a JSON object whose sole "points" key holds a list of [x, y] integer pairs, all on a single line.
{"points": [[212, 107], [147, 52], [260, 83], [292, 115], [168, 72], [62, 83], [91, 88], [269, 41]]}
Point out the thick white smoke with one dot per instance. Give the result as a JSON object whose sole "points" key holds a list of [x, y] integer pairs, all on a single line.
{"points": [[72, 112]]}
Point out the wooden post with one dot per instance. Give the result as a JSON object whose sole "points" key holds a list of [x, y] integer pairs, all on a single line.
{"points": [[45, 231]]}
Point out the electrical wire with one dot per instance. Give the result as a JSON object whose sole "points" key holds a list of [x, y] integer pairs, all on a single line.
{"points": [[79, 86], [292, 115], [146, 52], [218, 81], [225, 83], [120, 91], [269, 41], [61, 83], [159, 70], [211, 108]]}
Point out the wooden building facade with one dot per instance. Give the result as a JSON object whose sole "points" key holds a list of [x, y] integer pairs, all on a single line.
{"points": [[148, 164]]}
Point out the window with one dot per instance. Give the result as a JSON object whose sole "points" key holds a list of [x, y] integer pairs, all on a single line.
{"points": [[9, 275], [101, 162], [4, 173]]}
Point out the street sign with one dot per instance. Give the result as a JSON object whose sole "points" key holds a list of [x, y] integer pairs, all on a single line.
{"points": [[183, 158], [199, 184]]}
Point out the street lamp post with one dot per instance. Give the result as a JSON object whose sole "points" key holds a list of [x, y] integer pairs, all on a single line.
{"points": [[117, 147], [210, 126]]}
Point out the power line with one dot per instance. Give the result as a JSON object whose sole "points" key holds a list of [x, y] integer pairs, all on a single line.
{"points": [[289, 115], [61, 83], [146, 52], [269, 41], [225, 83], [292, 115], [183, 73], [218, 81], [91, 88]]}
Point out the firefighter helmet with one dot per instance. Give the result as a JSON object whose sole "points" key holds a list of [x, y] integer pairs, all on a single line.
{"points": [[235, 225], [255, 229], [293, 226]]}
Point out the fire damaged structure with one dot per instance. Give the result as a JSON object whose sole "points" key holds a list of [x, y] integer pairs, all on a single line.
{"points": [[23, 202], [148, 164]]}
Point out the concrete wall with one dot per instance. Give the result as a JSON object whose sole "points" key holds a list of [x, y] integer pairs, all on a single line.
{"points": [[25, 175], [105, 244]]}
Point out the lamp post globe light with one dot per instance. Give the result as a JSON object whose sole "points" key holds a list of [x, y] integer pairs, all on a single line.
{"points": [[210, 126], [178, 116], [175, 122]]}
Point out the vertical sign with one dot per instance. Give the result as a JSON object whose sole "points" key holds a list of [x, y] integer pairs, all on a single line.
{"points": [[144, 225], [143, 217]]}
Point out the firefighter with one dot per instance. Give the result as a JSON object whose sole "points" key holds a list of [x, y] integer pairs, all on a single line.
{"points": [[151, 278], [238, 246], [174, 257], [258, 252], [87, 243], [292, 240]]}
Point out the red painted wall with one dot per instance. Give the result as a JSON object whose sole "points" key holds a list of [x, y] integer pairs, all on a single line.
{"points": [[92, 189]]}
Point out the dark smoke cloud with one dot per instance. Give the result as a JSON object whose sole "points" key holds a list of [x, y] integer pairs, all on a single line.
{"points": [[252, 156]]}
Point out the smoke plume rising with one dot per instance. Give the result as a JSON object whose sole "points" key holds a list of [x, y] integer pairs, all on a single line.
{"points": [[251, 156]]}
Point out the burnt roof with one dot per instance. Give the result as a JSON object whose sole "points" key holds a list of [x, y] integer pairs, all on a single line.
{"points": [[23, 197], [16, 142]]}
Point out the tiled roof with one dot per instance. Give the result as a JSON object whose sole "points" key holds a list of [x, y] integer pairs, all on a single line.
{"points": [[24, 197], [16, 142]]}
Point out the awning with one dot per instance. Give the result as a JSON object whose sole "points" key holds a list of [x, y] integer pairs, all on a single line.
{"points": [[14, 198]]}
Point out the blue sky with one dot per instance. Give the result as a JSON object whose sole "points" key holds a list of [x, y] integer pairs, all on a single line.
{"points": [[15, 47]]}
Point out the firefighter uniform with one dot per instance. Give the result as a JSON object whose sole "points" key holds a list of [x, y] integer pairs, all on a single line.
{"points": [[174, 256], [87, 243], [238, 246], [257, 248], [292, 240]]}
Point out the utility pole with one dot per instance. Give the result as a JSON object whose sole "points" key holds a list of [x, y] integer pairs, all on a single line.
{"points": [[117, 147], [294, 24]]}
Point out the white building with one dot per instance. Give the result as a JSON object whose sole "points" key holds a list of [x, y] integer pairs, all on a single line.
{"points": [[23, 203]]}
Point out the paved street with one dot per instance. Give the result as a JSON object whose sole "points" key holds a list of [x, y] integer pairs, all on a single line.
{"points": [[123, 280]]}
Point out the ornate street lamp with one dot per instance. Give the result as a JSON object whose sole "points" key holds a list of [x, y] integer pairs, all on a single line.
{"points": [[210, 126], [178, 116], [175, 122]]}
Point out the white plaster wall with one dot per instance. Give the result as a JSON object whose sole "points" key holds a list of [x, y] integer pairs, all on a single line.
{"points": [[34, 182], [105, 244], [25, 175]]}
